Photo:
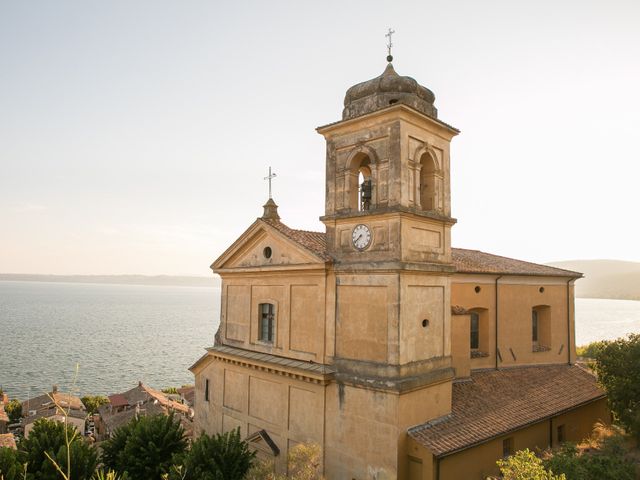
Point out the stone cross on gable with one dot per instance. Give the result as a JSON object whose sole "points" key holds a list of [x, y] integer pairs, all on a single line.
{"points": [[269, 178]]}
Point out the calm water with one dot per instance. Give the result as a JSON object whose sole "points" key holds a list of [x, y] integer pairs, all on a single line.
{"points": [[120, 334]]}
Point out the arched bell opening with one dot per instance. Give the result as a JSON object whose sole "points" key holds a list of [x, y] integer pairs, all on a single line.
{"points": [[429, 190], [360, 183]]}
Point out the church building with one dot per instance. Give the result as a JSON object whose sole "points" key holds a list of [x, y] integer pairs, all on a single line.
{"points": [[401, 356]]}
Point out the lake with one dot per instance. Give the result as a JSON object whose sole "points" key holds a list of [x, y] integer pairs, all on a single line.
{"points": [[120, 334]]}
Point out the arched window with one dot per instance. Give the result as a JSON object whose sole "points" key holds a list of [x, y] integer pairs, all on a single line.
{"points": [[360, 183], [429, 183]]}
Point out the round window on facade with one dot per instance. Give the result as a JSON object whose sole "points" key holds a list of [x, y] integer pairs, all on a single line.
{"points": [[425, 323], [477, 289], [267, 252], [541, 289]]}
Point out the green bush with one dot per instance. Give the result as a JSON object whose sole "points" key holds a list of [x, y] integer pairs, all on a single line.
{"points": [[10, 467], [146, 447], [617, 364], [606, 464], [14, 410], [524, 465], [93, 402], [219, 457], [47, 443]]}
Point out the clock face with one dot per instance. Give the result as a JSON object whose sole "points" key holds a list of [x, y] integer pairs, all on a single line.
{"points": [[361, 237]]}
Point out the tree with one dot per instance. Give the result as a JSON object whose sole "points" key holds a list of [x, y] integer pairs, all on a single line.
{"points": [[219, 457], [604, 462], [524, 465], [617, 364], [14, 410], [47, 448], [10, 467], [93, 402], [146, 447]]}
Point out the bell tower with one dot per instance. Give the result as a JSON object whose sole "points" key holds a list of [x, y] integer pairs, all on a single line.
{"points": [[388, 229]]}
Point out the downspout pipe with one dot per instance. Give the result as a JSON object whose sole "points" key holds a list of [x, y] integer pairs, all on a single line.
{"points": [[569, 321], [497, 316]]}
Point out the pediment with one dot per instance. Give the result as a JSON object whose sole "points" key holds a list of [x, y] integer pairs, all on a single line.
{"points": [[261, 245]]}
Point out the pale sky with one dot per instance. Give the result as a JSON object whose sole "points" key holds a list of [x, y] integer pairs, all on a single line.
{"points": [[135, 135]]}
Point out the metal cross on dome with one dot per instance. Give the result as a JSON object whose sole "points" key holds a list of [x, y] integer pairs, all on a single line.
{"points": [[269, 177], [389, 45]]}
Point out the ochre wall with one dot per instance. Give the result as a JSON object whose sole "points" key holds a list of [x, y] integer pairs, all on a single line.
{"points": [[424, 297], [299, 299], [366, 317], [290, 410], [516, 298], [362, 426], [460, 350]]}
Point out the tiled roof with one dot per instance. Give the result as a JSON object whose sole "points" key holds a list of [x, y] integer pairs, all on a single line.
{"points": [[47, 400], [3, 414], [475, 261], [465, 261], [497, 402], [316, 242], [7, 440], [118, 400], [308, 367]]}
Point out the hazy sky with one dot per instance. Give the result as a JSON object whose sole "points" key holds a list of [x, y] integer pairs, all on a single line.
{"points": [[135, 135]]}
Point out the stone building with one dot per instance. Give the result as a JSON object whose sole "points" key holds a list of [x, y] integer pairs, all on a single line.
{"points": [[401, 356]]}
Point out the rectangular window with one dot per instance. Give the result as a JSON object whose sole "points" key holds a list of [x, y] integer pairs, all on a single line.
{"points": [[507, 447], [534, 326], [266, 324], [475, 331], [561, 436], [206, 389]]}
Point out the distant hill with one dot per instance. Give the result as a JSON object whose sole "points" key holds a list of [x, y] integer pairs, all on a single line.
{"points": [[185, 281], [605, 278]]}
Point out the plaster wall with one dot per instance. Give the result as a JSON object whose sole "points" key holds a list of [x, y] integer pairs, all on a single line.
{"points": [[424, 297], [366, 429], [299, 300], [367, 317], [289, 409], [517, 296], [460, 350]]}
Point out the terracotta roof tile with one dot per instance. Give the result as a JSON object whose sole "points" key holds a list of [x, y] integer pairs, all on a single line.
{"points": [[118, 400], [465, 261], [313, 241], [3, 415], [7, 440], [48, 400], [475, 261], [497, 402]]}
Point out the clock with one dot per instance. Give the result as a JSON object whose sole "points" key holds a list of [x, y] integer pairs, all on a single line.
{"points": [[361, 237]]}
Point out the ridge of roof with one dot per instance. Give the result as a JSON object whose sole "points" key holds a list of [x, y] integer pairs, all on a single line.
{"points": [[465, 260], [477, 261]]}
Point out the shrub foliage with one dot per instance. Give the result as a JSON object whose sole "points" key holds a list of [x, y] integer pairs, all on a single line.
{"points": [[146, 447]]}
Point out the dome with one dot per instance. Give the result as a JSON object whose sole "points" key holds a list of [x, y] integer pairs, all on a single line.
{"points": [[388, 89]]}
